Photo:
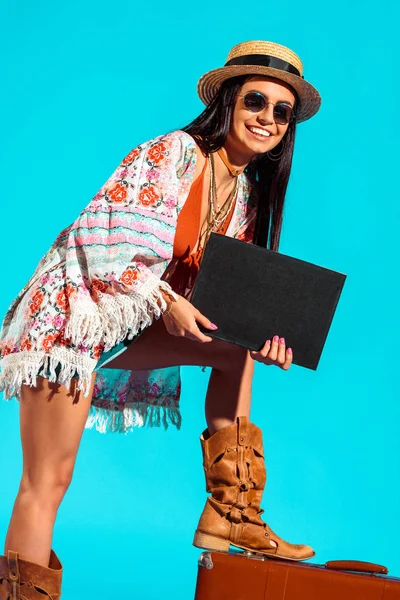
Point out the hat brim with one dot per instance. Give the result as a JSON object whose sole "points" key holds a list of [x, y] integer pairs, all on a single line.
{"points": [[310, 99]]}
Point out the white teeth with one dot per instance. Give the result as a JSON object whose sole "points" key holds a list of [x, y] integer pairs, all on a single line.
{"points": [[259, 131]]}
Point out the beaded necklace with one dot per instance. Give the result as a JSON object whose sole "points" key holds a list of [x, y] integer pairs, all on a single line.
{"points": [[216, 215]]}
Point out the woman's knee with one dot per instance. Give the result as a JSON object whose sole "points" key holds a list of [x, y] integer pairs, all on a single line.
{"points": [[47, 483], [51, 431], [227, 357]]}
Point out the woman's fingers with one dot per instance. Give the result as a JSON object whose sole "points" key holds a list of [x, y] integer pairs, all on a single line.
{"points": [[196, 335], [182, 320], [274, 352], [281, 351], [204, 321], [262, 355], [288, 359]]}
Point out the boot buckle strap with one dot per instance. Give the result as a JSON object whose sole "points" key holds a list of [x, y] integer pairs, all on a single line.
{"points": [[234, 515], [242, 430], [13, 574], [12, 558], [243, 486]]}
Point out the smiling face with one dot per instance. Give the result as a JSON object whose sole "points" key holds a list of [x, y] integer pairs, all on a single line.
{"points": [[248, 134]]}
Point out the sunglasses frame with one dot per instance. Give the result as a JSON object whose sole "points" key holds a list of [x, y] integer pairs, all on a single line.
{"points": [[292, 113]]}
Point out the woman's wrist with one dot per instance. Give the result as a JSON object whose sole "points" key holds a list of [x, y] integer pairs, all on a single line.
{"points": [[169, 301], [168, 309]]}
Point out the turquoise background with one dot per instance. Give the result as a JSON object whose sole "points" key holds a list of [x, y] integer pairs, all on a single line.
{"points": [[81, 85]]}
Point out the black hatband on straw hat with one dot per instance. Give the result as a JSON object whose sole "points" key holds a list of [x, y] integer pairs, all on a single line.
{"points": [[265, 61]]}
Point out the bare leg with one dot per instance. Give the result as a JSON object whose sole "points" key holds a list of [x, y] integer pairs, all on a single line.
{"points": [[52, 420], [229, 394], [229, 389]]}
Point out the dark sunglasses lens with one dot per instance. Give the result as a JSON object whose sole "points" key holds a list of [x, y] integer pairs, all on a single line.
{"points": [[282, 113], [254, 102]]}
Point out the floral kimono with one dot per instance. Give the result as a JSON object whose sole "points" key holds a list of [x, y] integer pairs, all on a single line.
{"points": [[99, 286]]}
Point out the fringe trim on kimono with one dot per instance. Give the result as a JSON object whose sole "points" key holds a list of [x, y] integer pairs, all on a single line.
{"points": [[24, 367], [108, 417], [116, 317]]}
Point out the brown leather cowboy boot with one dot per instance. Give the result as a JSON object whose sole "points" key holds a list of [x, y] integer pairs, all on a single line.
{"points": [[24, 580], [233, 460]]}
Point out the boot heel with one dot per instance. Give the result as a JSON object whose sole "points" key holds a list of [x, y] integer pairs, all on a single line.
{"points": [[210, 542]]}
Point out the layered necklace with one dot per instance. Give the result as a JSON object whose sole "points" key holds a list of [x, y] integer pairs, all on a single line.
{"points": [[216, 215]]}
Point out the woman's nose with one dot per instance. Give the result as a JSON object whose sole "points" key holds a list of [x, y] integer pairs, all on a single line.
{"points": [[266, 117]]}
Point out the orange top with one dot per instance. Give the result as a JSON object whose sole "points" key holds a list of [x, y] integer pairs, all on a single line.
{"points": [[188, 225], [186, 235]]}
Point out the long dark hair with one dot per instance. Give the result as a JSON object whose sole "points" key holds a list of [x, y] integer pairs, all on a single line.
{"points": [[269, 178]]}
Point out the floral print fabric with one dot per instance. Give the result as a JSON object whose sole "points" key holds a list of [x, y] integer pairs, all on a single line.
{"points": [[100, 284]]}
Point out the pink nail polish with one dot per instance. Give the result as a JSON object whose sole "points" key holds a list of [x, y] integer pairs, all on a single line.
{"points": [[213, 326], [289, 351], [268, 342], [276, 338], [282, 340]]}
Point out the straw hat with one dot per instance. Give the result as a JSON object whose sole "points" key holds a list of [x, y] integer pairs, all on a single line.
{"points": [[263, 58]]}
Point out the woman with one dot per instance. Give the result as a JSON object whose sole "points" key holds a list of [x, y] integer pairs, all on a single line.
{"points": [[122, 273]]}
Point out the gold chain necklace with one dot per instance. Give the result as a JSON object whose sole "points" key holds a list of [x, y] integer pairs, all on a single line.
{"points": [[215, 218], [222, 213]]}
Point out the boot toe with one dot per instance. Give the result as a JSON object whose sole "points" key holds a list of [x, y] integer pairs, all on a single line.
{"points": [[305, 551], [295, 551]]}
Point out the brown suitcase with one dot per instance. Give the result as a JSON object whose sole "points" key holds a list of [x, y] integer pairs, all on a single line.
{"points": [[240, 576]]}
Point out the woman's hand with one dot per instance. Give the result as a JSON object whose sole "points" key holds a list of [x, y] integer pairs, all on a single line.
{"points": [[182, 320], [274, 353]]}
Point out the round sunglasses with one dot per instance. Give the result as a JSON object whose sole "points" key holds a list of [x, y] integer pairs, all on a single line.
{"points": [[256, 102]]}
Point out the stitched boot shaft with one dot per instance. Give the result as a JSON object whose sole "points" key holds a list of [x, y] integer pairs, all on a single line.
{"points": [[24, 580], [234, 467]]}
